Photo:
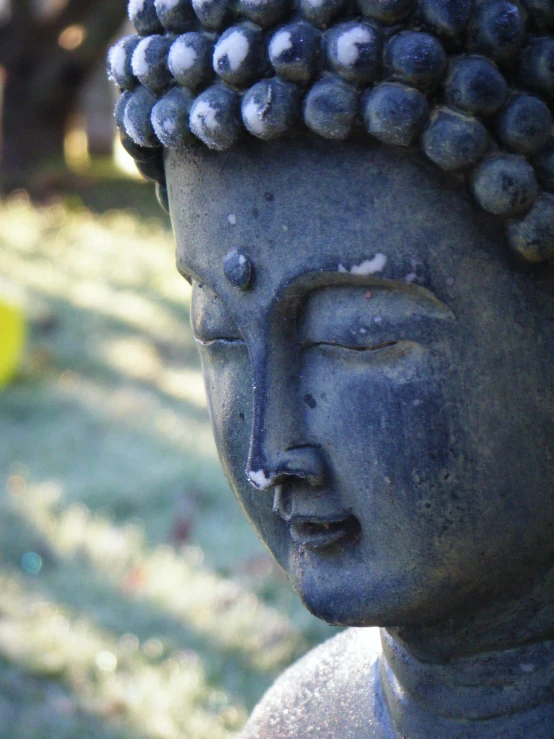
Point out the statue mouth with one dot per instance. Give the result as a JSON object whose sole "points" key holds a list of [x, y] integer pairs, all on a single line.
{"points": [[319, 534]]}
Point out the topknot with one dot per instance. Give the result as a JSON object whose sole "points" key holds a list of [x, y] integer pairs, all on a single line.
{"points": [[471, 82]]}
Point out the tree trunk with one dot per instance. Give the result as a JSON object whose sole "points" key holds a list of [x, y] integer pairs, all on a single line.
{"points": [[42, 82], [32, 134], [96, 101]]}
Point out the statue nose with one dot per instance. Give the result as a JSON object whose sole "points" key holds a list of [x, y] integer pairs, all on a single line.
{"points": [[304, 462], [279, 447]]}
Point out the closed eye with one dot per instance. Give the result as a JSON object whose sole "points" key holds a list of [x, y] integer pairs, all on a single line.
{"points": [[379, 354], [372, 348], [218, 342]]}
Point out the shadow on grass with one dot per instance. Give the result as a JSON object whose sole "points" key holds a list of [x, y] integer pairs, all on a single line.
{"points": [[144, 357], [110, 414], [121, 605], [54, 712], [103, 188]]}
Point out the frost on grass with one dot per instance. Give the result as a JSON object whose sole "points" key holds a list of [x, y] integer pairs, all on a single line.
{"points": [[125, 630], [166, 695]]}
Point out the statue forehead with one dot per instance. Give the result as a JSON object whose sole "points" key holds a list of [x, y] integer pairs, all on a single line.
{"points": [[286, 213]]}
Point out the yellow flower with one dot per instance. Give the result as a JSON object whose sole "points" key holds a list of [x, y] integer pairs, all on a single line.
{"points": [[12, 339]]}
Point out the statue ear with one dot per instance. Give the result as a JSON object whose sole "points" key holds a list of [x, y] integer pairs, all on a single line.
{"points": [[151, 165], [161, 195]]}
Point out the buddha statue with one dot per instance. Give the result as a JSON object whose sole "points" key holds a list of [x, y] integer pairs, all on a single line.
{"points": [[362, 200]]}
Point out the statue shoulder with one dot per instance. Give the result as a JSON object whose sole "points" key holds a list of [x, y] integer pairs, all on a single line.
{"points": [[331, 693]]}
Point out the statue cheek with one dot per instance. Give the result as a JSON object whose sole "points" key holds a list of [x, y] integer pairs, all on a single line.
{"points": [[384, 427], [227, 378], [391, 398], [228, 381]]}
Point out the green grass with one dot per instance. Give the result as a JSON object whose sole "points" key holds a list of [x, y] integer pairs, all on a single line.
{"points": [[137, 603]]}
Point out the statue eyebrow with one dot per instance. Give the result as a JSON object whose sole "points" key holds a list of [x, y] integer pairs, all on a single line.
{"points": [[420, 296]]}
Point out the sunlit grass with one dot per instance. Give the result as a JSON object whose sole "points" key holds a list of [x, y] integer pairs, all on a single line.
{"points": [[172, 579], [155, 694], [137, 603]]}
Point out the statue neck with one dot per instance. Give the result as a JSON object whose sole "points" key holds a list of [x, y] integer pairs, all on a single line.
{"points": [[506, 693]]}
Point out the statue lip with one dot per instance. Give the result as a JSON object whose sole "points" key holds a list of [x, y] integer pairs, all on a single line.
{"points": [[322, 533]]}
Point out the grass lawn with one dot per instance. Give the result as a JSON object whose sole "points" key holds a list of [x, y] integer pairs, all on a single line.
{"points": [[137, 603]]}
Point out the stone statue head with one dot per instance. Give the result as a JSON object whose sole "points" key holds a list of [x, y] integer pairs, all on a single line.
{"points": [[360, 194]]}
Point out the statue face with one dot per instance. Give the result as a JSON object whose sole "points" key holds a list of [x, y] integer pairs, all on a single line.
{"points": [[379, 391]]}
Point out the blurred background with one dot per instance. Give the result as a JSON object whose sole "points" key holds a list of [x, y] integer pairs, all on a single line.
{"points": [[135, 601]]}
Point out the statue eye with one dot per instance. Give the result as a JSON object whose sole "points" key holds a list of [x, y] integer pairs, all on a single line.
{"points": [[377, 347], [376, 320], [350, 333], [378, 354], [220, 341]]}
